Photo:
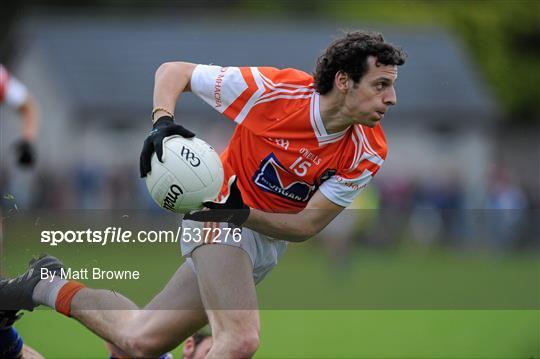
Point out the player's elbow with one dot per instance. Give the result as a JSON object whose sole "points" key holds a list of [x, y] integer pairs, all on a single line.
{"points": [[29, 108], [175, 70], [142, 346], [305, 228], [305, 232], [168, 67]]}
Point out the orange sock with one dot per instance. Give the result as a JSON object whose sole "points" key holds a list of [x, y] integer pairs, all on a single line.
{"points": [[65, 295]]}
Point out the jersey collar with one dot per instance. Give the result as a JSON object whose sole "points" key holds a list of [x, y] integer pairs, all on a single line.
{"points": [[318, 126]]}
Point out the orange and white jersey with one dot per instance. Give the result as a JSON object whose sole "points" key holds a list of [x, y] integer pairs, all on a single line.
{"points": [[281, 152], [12, 91]]}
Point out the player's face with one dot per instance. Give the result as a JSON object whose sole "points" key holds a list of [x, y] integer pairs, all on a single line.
{"points": [[367, 101]]}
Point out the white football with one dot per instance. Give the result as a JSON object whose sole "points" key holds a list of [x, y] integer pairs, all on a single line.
{"points": [[191, 173]]}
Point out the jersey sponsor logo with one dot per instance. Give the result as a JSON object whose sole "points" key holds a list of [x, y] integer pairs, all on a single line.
{"points": [[274, 178], [172, 196], [190, 157]]}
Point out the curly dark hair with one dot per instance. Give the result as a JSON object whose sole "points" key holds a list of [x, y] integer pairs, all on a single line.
{"points": [[349, 54]]}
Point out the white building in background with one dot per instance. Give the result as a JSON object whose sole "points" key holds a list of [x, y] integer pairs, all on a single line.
{"points": [[93, 77]]}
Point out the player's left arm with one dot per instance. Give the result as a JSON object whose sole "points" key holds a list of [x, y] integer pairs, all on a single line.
{"points": [[29, 113], [297, 227], [25, 147], [293, 227], [18, 96]]}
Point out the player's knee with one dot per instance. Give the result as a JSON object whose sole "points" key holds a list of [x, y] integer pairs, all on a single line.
{"points": [[143, 346], [248, 345], [241, 343]]}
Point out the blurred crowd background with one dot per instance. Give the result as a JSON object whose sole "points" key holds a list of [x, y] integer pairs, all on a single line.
{"points": [[464, 151]]}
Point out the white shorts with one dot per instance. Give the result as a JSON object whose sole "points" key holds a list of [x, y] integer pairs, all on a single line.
{"points": [[264, 251]]}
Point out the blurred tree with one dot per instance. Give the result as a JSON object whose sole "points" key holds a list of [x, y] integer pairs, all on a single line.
{"points": [[10, 11], [502, 36]]}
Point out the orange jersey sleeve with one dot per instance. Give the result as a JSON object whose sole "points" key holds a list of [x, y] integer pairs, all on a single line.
{"points": [[250, 95]]}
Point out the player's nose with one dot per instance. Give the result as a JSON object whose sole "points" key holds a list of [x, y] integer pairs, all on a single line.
{"points": [[390, 97]]}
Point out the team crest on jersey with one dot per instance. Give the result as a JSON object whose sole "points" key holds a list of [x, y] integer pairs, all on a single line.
{"points": [[274, 178]]}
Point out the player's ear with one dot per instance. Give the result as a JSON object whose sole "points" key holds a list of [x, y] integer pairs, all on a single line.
{"points": [[341, 81], [189, 347]]}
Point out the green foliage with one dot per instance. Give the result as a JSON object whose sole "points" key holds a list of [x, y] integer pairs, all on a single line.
{"points": [[337, 334], [502, 36]]}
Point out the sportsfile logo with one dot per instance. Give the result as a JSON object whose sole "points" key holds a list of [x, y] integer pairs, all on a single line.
{"points": [[172, 196], [190, 157], [274, 178]]}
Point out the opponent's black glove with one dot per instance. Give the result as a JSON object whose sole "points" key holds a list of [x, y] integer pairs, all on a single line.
{"points": [[26, 155], [233, 210], [163, 127]]}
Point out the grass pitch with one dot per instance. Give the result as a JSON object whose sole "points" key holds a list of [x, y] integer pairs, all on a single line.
{"points": [[405, 302]]}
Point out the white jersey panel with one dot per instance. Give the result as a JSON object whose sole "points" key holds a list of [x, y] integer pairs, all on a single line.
{"points": [[217, 86], [342, 191], [16, 93]]}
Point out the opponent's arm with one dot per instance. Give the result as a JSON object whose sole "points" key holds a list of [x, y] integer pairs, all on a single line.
{"points": [[28, 110], [296, 227], [29, 119], [18, 96]]}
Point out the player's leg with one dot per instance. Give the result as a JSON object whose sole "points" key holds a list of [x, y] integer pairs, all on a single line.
{"points": [[109, 315], [11, 343], [171, 317], [225, 277], [28, 291]]}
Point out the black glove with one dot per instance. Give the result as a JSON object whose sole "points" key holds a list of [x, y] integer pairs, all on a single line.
{"points": [[233, 210], [26, 155], [163, 127]]}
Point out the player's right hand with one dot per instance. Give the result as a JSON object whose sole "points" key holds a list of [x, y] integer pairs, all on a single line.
{"points": [[163, 127], [231, 210]]}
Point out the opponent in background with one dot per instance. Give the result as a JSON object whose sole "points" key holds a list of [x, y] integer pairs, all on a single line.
{"points": [[15, 95]]}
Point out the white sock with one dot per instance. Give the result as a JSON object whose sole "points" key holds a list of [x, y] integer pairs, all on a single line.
{"points": [[46, 291]]}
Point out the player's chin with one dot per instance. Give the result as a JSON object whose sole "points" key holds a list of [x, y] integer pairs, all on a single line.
{"points": [[371, 122]]}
